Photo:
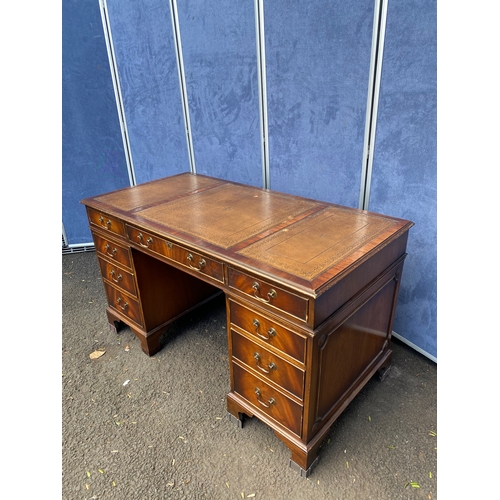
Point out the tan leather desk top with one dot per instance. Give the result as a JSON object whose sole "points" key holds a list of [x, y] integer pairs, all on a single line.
{"points": [[301, 242]]}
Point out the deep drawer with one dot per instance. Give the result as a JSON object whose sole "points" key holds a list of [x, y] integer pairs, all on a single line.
{"points": [[268, 294], [267, 400], [112, 250], [268, 331], [124, 304], [192, 260], [104, 221], [118, 276], [268, 365]]}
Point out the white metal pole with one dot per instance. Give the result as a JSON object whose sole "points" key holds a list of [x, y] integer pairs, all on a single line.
{"points": [[261, 72], [116, 85], [182, 83]]}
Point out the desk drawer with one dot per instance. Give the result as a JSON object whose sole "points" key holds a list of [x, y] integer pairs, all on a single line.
{"points": [[192, 260], [124, 304], [198, 262], [112, 250], [271, 295], [147, 241], [268, 400], [118, 276], [268, 331], [104, 221], [268, 365]]}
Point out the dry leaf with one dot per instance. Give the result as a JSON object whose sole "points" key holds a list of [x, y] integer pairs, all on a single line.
{"points": [[96, 354]]}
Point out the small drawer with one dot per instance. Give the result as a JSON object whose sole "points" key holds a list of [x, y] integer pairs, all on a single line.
{"points": [[106, 222], [268, 400], [198, 262], [268, 331], [147, 241], [192, 260], [112, 250], [268, 365], [118, 276], [268, 294], [124, 304]]}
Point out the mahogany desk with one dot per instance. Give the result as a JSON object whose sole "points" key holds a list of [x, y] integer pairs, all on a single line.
{"points": [[311, 290]]}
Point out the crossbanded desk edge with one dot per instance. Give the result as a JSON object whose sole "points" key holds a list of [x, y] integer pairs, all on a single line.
{"points": [[311, 290]]}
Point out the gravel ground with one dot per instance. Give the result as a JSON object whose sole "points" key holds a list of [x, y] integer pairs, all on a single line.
{"points": [[138, 427]]}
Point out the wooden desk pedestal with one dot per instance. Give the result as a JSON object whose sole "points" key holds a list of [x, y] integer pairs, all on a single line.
{"points": [[311, 290]]}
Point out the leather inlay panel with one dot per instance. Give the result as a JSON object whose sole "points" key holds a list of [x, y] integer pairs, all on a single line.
{"points": [[155, 192], [313, 245], [228, 214]]}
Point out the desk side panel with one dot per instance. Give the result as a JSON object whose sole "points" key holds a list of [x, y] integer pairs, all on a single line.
{"points": [[348, 350], [336, 296]]}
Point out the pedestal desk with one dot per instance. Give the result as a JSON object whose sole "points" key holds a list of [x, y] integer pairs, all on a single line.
{"points": [[311, 290]]}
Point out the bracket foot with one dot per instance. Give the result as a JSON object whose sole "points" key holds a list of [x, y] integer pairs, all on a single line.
{"points": [[303, 473], [235, 420], [383, 373]]}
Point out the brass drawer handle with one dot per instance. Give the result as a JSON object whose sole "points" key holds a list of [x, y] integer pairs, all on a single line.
{"points": [[106, 225], [118, 278], [149, 241], [270, 333], [271, 365], [256, 292], [119, 301], [201, 264], [113, 252], [270, 402]]}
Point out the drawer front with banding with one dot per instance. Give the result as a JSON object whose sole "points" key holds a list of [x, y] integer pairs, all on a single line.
{"points": [[268, 365], [112, 250], [188, 258], [106, 222], [118, 276], [268, 331], [269, 294], [124, 304], [268, 400]]}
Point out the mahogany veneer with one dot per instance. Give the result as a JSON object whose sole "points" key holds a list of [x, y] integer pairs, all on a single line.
{"points": [[311, 290]]}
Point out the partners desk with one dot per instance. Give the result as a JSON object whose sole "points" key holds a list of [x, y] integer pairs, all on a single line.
{"points": [[311, 290]]}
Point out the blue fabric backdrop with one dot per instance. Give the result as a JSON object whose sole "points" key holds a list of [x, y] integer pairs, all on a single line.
{"points": [[93, 158], [404, 166], [147, 67], [220, 62], [318, 62]]}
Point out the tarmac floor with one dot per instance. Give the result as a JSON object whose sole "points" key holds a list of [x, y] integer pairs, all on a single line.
{"points": [[136, 427]]}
